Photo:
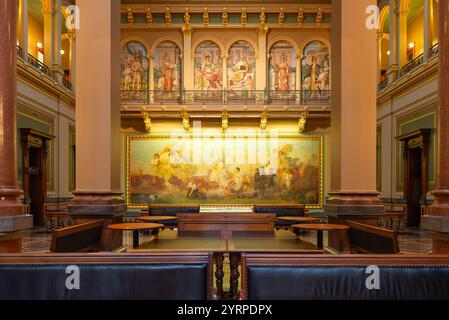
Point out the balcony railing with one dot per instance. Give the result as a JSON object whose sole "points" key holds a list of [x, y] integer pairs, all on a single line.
{"points": [[411, 65], [67, 84], [19, 52], [433, 50], [218, 97], [382, 85], [39, 65]]}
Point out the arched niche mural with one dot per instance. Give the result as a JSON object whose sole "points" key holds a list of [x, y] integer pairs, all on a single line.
{"points": [[282, 67], [315, 69], [207, 68], [167, 67], [134, 66], [241, 67]]}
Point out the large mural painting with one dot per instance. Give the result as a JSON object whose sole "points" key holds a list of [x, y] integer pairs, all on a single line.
{"points": [[316, 67], [241, 69], [167, 69], [208, 71], [224, 170], [282, 67], [134, 66]]}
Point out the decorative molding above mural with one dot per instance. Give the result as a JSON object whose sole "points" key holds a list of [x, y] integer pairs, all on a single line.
{"points": [[224, 169]]}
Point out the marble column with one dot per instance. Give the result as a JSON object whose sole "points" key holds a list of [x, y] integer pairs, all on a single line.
{"points": [[58, 71], [380, 36], [97, 194], [224, 68], [187, 61], [23, 27], [393, 67], [47, 12], [353, 192], [427, 28], [72, 58], [151, 77], [13, 215], [298, 72], [402, 38], [261, 68], [437, 220]]}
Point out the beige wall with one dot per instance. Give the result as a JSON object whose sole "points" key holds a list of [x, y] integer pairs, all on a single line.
{"points": [[35, 34]]}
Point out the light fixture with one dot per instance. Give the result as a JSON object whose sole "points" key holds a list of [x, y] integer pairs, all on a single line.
{"points": [[388, 52], [411, 45], [62, 52], [39, 45]]}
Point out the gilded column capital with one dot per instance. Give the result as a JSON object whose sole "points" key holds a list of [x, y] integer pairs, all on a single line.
{"points": [[187, 30], [262, 30]]}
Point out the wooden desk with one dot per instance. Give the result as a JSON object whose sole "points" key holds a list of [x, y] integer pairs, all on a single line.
{"points": [[226, 222], [299, 219], [156, 218], [320, 227], [135, 228]]}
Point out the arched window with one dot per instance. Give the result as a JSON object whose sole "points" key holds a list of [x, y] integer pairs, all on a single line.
{"points": [[282, 67], [134, 67], [208, 72], [241, 67], [167, 67], [316, 67]]}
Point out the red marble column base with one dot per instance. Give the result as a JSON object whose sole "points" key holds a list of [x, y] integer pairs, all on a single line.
{"points": [[91, 206], [362, 207], [437, 221], [11, 242]]}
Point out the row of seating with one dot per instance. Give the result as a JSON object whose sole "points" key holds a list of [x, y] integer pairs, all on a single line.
{"points": [[188, 276]]}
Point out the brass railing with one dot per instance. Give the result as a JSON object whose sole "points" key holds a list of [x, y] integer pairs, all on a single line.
{"points": [[434, 50], [411, 65], [223, 97], [67, 84]]}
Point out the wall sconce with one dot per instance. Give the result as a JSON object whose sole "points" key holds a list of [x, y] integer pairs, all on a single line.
{"points": [[39, 45], [147, 121], [224, 120], [388, 52], [185, 121], [411, 45], [263, 120], [62, 52], [302, 121]]}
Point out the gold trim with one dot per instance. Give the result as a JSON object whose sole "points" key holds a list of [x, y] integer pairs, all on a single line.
{"points": [[193, 136]]}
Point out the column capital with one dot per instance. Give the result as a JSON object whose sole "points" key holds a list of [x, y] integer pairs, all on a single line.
{"points": [[262, 30], [187, 30]]}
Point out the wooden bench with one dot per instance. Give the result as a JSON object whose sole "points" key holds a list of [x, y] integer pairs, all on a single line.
{"points": [[83, 237], [56, 215], [368, 239], [269, 276], [105, 276]]}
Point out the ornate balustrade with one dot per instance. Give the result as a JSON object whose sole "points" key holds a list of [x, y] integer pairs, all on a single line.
{"points": [[433, 50], [411, 65], [39, 65], [217, 97], [67, 84]]}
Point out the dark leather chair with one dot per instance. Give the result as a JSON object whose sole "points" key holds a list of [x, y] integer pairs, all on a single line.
{"points": [[343, 277], [107, 277]]}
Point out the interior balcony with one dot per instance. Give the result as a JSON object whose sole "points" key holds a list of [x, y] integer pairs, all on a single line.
{"points": [[247, 102]]}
